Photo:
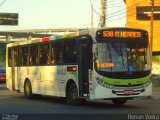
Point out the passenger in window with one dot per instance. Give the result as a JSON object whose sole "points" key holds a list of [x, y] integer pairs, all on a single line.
{"points": [[51, 60], [33, 60], [30, 60], [59, 58], [36, 60], [43, 59], [10, 62]]}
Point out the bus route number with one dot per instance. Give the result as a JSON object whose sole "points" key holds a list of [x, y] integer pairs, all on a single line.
{"points": [[108, 34], [122, 34]]}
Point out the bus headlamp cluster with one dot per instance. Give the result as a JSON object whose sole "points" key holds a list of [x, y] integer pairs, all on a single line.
{"points": [[147, 83], [102, 83]]}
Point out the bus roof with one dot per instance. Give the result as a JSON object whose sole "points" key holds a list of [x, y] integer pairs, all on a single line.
{"points": [[51, 38], [79, 32]]}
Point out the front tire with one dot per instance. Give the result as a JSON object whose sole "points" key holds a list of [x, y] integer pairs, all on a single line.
{"points": [[72, 95]]}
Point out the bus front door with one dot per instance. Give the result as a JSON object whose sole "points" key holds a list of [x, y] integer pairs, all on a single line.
{"points": [[14, 69], [83, 68]]}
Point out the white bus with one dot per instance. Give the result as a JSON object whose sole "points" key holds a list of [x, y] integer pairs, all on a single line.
{"points": [[111, 64]]}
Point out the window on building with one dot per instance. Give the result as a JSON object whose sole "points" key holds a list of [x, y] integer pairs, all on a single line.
{"points": [[144, 12]]}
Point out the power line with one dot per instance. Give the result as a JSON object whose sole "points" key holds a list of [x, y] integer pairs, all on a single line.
{"points": [[97, 12], [113, 20], [155, 26], [115, 3], [2, 2], [115, 13], [113, 6], [128, 8], [121, 11]]}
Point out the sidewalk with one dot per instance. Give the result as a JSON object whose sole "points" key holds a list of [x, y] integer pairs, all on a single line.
{"points": [[156, 93]]}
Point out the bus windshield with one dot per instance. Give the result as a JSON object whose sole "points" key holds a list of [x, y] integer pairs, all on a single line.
{"points": [[122, 57]]}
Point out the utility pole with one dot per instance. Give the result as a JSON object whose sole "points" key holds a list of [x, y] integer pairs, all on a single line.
{"points": [[103, 13], [91, 14], [152, 24]]}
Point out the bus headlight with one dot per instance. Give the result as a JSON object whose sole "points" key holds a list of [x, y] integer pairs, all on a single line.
{"points": [[147, 83]]}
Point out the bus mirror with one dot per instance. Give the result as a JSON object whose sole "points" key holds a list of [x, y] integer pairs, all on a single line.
{"points": [[94, 57], [94, 49]]}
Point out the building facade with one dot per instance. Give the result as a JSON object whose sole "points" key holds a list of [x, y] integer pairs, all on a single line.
{"points": [[138, 16]]}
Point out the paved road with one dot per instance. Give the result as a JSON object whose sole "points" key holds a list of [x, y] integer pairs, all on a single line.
{"points": [[15, 103]]}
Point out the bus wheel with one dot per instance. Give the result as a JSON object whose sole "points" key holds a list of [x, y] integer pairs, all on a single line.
{"points": [[28, 89], [119, 102], [72, 95]]}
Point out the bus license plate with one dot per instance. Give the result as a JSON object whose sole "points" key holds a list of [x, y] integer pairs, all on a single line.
{"points": [[128, 91]]}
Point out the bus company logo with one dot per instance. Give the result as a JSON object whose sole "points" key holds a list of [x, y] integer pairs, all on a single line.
{"points": [[9, 117], [129, 84]]}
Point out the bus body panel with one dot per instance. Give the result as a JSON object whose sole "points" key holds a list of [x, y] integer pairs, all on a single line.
{"points": [[93, 80], [145, 90], [53, 82], [12, 80], [108, 94]]}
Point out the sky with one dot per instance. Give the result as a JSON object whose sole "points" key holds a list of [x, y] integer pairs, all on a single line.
{"points": [[43, 14]]}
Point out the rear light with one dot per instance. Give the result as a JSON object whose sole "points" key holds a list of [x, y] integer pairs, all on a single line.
{"points": [[72, 68]]}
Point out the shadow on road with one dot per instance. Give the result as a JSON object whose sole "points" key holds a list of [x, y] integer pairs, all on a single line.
{"points": [[100, 104]]}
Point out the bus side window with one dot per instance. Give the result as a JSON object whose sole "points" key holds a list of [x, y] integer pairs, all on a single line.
{"points": [[69, 51], [33, 55], [43, 53], [25, 55], [56, 53], [51, 58], [15, 55]]}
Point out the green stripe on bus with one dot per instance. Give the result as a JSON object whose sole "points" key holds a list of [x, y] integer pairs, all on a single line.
{"points": [[126, 81]]}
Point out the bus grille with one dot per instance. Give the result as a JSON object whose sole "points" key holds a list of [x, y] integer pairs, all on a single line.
{"points": [[127, 85], [129, 92]]}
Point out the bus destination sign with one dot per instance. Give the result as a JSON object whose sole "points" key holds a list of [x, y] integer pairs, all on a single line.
{"points": [[121, 34]]}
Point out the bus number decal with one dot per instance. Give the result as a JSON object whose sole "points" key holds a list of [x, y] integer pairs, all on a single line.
{"points": [[61, 71]]}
